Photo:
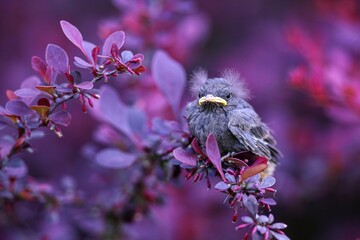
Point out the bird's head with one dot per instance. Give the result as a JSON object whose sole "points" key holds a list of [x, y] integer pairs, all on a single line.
{"points": [[221, 92]]}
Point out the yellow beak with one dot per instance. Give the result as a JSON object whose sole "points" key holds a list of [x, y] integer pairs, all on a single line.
{"points": [[211, 99]]}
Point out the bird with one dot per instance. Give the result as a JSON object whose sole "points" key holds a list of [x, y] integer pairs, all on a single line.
{"points": [[221, 108]]}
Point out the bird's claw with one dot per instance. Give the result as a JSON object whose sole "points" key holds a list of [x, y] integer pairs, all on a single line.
{"points": [[229, 154]]}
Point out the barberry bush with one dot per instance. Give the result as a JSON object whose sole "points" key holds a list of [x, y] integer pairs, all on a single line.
{"points": [[94, 144]]}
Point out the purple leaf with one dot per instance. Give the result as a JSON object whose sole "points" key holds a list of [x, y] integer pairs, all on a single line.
{"points": [[18, 108], [262, 219], [114, 111], [222, 186], [27, 92], [61, 118], [115, 158], [88, 48], [250, 204], [279, 236], [230, 177], [137, 120], [278, 226], [247, 219], [271, 218], [261, 229], [85, 85], [30, 82], [126, 56], [38, 65], [16, 168], [116, 37], [159, 126], [73, 34], [4, 121], [213, 152], [267, 182], [57, 58], [256, 235], [268, 201], [185, 156], [79, 62], [170, 78]]}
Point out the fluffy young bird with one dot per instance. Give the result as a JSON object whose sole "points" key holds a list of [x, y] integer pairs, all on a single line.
{"points": [[221, 109]]}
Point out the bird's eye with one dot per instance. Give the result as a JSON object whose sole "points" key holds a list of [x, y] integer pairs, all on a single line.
{"points": [[228, 96]]}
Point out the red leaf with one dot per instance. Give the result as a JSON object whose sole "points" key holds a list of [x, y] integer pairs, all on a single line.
{"points": [[95, 53], [139, 70], [39, 66], [196, 147], [213, 152], [114, 51], [11, 95], [185, 156], [258, 166], [239, 163], [43, 102], [89, 48]]}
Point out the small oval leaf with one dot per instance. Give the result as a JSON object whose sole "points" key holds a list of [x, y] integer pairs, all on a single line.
{"points": [[115, 158], [279, 236], [116, 37], [250, 204], [222, 186], [85, 85], [278, 226], [258, 166], [81, 63], [268, 201], [262, 219], [247, 219], [269, 181], [73, 34], [18, 108], [16, 168], [185, 156], [26, 92], [57, 58], [61, 118]]}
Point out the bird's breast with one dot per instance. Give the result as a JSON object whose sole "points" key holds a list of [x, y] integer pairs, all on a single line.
{"points": [[203, 123]]}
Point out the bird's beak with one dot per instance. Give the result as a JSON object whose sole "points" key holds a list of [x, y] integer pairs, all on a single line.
{"points": [[212, 99]]}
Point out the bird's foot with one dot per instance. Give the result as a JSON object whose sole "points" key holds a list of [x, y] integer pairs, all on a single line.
{"points": [[229, 154]]}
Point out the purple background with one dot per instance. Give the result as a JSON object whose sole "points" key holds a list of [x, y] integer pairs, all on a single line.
{"points": [[319, 174]]}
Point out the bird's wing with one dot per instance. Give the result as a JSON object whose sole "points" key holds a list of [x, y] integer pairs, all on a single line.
{"points": [[247, 127]]}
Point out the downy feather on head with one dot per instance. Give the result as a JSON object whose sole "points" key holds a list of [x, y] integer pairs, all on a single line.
{"points": [[228, 77]]}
